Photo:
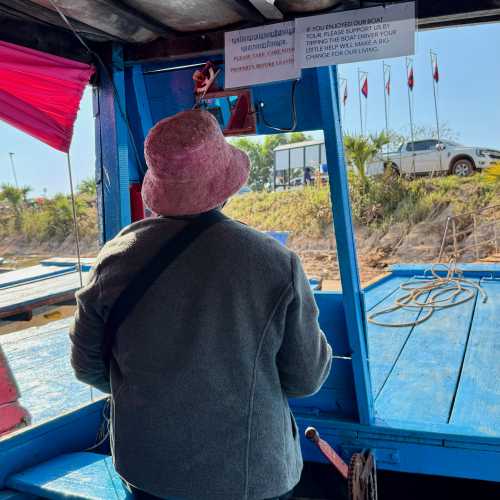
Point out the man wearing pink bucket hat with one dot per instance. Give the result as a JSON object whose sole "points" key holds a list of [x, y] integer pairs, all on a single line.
{"points": [[201, 328]]}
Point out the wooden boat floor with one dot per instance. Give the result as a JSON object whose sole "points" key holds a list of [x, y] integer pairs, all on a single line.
{"points": [[56, 284], [442, 371], [31, 273]]}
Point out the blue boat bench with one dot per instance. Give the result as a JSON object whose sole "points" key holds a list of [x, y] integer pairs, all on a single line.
{"points": [[80, 475], [435, 391], [47, 461]]}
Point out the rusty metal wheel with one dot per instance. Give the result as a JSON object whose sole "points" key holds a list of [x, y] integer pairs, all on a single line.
{"points": [[362, 478]]}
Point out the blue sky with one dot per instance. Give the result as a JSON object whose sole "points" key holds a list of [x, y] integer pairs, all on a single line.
{"points": [[469, 100], [468, 93], [39, 166]]}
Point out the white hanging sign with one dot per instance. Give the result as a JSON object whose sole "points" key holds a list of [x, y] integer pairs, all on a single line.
{"points": [[357, 35], [260, 55]]}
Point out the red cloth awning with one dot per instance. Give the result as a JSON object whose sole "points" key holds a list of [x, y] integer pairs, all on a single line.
{"points": [[40, 93]]}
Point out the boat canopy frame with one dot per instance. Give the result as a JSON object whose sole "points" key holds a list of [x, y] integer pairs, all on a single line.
{"points": [[139, 90], [157, 29], [129, 96]]}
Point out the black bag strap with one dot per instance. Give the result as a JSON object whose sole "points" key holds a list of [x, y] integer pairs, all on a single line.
{"points": [[140, 284]]}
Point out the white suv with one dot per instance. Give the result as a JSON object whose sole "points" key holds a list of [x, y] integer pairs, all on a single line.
{"points": [[427, 156]]}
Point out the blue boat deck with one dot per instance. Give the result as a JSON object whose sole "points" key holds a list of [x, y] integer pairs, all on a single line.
{"points": [[26, 274], [26, 289], [435, 386], [443, 373], [45, 269]]}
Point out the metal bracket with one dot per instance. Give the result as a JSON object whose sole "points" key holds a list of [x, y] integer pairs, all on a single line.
{"points": [[383, 455]]}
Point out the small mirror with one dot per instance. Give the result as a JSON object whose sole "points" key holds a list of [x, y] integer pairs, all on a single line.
{"points": [[440, 146], [233, 110]]}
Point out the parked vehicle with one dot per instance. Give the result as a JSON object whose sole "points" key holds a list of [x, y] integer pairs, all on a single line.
{"points": [[431, 156]]}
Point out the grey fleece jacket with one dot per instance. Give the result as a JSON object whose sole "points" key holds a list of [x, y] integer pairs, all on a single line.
{"points": [[204, 364]]}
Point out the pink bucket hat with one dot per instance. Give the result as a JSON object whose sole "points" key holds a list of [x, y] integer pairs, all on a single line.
{"points": [[191, 167]]}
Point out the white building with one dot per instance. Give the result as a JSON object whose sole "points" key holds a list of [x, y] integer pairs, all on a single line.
{"points": [[290, 160]]}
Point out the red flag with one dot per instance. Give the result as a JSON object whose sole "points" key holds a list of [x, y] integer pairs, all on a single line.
{"points": [[411, 80], [388, 85], [436, 72], [345, 94], [364, 88]]}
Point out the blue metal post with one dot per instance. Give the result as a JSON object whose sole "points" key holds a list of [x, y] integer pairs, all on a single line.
{"points": [[121, 135], [142, 99], [99, 161], [112, 175], [108, 192], [346, 248]]}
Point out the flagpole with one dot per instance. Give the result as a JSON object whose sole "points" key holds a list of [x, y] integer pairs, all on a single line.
{"points": [[365, 75], [409, 63], [343, 85], [345, 99], [360, 105], [433, 66], [386, 68], [13, 169]]}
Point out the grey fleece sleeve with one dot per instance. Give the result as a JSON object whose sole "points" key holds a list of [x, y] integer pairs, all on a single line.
{"points": [[305, 357], [86, 334]]}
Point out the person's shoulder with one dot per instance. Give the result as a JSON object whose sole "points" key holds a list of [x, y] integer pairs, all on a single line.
{"points": [[127, 241], [257, 241]]}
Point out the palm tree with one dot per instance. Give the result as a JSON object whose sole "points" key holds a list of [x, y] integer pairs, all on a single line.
{"points": [[87, 187], [380, 140], [360, 150], [16, 198]]}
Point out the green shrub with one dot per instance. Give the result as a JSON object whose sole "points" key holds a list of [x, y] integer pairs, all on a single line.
{"points": [[35, 224], [302, 211], [375, 201], [52, 219]]}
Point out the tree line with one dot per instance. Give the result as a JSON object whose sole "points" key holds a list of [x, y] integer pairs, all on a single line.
{"points": [[47, 218]]}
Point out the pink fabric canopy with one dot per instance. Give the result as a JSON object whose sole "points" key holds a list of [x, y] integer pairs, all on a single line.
{"points": [[40, 93]]}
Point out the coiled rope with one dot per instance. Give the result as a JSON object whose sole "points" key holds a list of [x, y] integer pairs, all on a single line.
{"points": [[430, 295]]}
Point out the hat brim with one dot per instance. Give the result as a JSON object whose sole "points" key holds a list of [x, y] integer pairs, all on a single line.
{"points": [[167, 196]]}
